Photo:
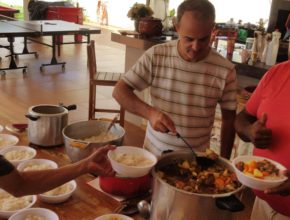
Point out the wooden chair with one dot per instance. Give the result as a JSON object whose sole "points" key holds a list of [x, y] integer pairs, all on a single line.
{"points": [[101, 79]]}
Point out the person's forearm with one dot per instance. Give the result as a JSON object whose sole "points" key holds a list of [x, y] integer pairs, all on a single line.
{"points": [[35, 182], [242, 125], [227, 133], [125, 96], [227, 140]]}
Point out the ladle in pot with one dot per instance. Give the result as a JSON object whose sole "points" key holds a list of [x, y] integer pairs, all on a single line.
{"points": [[203, 161], [112, 123]]}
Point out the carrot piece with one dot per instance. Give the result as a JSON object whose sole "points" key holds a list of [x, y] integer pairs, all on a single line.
{"points": [[265, 173], [219, 183]]}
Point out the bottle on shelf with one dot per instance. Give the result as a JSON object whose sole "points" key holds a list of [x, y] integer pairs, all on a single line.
{"points": [[273, 48], [268, 39], [254, 50]]}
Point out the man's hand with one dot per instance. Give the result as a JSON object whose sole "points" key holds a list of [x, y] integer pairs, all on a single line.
{"points": [[283, 189], [259, 135], [161, 122], [98, 162]]}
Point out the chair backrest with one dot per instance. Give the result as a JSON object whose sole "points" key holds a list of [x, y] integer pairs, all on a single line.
{"points": [[102, 79], [92, 59]]}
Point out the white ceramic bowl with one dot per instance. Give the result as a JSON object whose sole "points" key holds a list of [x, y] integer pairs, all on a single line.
{"points": [[18, 154], [253, 182], [8, 140], [46, 213], [114, 217], [5, 199], [136, 161], [37, 164], [59, 197]]}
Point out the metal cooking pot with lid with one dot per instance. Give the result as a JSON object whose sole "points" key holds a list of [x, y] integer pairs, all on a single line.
{"points": [[170, 203], [46, 122]]}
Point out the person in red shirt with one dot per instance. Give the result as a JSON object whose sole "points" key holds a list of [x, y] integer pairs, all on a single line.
{"points": [[265, 122]]}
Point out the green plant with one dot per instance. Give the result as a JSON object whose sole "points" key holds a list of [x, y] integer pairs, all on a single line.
{"points": [[139, 10]]}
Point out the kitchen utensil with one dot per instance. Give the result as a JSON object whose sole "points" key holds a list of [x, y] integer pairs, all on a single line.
{"points": [[126, 187], [112, 123], [135, 156], [42, 213], [179, 204], [77, 132], [203, 161], [46, 122], [258, 183], [188, 145], [16, 128], [144, 208]]}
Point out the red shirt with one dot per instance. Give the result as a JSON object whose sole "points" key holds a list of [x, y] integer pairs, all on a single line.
{"points": [[272, 96]]}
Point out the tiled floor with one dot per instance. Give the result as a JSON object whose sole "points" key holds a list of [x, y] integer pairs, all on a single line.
{"points": [[54, 86]]}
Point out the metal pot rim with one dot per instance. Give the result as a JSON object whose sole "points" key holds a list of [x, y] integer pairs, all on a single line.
{"points": [[184, 153], [86, 142], [30, 110]]}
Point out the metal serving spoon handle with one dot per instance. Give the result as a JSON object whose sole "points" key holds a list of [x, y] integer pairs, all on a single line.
{"points": [[187, 144]]}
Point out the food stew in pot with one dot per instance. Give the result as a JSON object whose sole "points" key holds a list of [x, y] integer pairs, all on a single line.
{"points": [[189, 176]]}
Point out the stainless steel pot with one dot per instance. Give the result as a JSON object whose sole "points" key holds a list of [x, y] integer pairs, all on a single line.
{"points": [[46, 122], [77, 148], [170, 203]]}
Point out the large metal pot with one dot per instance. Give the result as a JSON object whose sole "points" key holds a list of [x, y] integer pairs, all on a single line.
{"points": [[170, 203], [46, 122], [77, 148]]}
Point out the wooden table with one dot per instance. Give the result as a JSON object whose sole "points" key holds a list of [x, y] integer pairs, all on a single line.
{"points": [[86, 203]]}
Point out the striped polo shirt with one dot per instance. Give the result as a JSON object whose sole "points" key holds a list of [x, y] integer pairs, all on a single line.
{"points": [[186, 91]]}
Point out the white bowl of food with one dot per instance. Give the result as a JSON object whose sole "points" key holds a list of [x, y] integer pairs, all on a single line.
{"points": [[8, 140], [60, 193], [130, 161], [18, 154], [114, 217], [258, 173], [36, 164], [10, 205], [35, 214]]}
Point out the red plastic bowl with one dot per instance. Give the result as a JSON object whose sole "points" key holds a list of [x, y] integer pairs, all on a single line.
{"points": [[126, 187]]}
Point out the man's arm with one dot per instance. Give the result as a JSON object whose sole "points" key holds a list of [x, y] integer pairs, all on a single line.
{"points": [[227, 132], [125, 96], [35, 182]]}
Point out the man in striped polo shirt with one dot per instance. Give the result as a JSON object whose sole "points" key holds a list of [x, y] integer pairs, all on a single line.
{"points": [[187, 80]]}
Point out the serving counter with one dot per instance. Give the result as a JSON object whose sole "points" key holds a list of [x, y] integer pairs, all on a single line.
{"points": [[87, 203]]}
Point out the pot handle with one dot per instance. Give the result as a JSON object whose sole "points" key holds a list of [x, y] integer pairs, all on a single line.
{"points": [[32, 118], [229, 203], [70, 107]]}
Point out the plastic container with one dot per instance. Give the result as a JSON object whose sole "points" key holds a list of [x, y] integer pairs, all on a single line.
{"points": [[249, 43], [273, 49], [266, 48]]}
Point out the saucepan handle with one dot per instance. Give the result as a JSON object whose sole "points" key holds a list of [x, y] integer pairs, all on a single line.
{"points": [[229, 203], [32, 118], [70, 107]]}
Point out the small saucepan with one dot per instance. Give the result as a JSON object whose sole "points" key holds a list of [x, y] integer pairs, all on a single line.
{"points": [[46, 122]]}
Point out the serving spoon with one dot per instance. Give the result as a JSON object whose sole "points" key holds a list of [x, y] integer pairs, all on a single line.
{"points": [[203, 161]]}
